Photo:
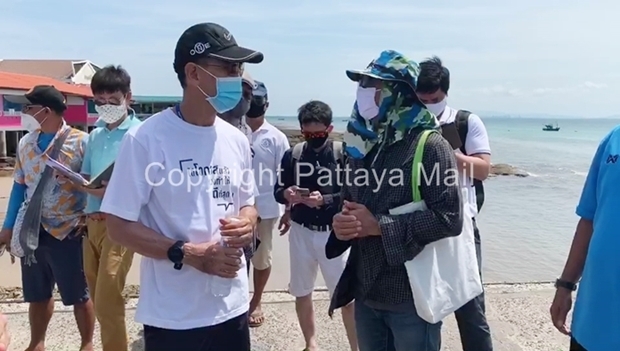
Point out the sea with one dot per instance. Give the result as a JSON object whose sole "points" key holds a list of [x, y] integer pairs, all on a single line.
{"points": [[527, 224]]}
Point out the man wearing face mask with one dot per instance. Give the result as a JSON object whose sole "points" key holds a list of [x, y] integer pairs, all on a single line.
{"points": [[53, 254], [382, 137], [268, 147], [235, 116], [309, 183], [106, 263], [473, 156], [188, 207]]}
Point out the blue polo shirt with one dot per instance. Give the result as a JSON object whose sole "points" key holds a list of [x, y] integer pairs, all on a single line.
{"points": [[101, 151], [596, 318]]}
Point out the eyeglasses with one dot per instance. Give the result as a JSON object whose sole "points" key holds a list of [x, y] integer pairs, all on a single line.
{"points": [[27, 108], [232, 69], [113, 101]]}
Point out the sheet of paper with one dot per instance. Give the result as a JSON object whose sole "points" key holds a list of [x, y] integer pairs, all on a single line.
{"points": [[65, 171]]}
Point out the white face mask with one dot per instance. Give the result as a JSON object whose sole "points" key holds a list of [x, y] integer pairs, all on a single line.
{"points": [[437, 108], [30, 123], [111, 113], [366, 104]]}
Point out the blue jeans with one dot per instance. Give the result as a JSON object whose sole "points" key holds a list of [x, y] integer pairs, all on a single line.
{"points": [[381, 330]]}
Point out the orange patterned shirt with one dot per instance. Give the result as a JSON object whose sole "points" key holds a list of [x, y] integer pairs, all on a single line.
{"points": [[63, 203]]}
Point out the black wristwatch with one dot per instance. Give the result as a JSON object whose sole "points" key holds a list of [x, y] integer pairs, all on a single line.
{"points": [[559, 283], [175, 254]]}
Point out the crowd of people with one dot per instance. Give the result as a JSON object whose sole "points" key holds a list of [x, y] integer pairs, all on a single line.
{"points": [[199, 234]]}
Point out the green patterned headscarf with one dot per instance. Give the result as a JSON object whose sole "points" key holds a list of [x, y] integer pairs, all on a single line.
{"points": [[399, 109]]}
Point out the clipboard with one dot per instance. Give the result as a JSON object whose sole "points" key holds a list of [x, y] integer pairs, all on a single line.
{"points": [[77, 178], [104, 176], [74, 177]]}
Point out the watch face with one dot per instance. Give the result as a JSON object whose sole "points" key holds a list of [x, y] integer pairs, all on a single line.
{"points": [[175, 254]]}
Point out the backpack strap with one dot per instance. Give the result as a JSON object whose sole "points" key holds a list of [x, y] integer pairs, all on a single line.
{"points": [[297, 150], [296, 155], [337, 149], [462, 117], [416, 168]]}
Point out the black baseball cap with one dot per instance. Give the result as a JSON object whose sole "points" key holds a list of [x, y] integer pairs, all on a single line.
{"points": [[211, 40], [44, 95], [260, 90]]}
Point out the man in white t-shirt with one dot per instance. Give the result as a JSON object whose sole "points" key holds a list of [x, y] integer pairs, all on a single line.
{"points": [[181, 196], [268, 146], [473, 156]]}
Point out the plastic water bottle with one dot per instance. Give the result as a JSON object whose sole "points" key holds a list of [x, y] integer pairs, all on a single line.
{"points": [[221, 286]]}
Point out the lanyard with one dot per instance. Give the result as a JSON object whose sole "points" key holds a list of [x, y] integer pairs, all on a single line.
{"points": [[177, 110]]}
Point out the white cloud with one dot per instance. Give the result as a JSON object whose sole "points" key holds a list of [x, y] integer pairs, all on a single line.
{"points": [[500, 90], [507, 90], [583, 87]]}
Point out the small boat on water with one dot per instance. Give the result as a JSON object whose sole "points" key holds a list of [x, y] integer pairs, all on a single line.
{"points": [[551, 128]]}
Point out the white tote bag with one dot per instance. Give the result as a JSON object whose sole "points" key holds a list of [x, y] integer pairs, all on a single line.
{"points": [[444, 276]]}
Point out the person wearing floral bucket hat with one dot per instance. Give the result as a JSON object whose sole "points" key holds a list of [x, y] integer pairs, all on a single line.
{"points": [[386, 123]]}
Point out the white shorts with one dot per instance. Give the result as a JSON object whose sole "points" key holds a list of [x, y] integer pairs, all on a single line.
{"points": [[262, 256], [307, 253]]}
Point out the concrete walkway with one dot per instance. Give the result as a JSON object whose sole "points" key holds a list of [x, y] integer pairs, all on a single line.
{"points": [[518, 316]]}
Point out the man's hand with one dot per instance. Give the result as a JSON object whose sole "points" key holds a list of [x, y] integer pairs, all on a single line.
{"points": [[561, 305], [5, 338], [285, 223], [314, 199], [98, 192], [369, 224], [5, 237], [213, 258], [61, 179], [346, 226], [292, 196], [237, 232]]}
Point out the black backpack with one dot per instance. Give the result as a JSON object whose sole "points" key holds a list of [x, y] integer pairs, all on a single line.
{"points": [[462, 117]]}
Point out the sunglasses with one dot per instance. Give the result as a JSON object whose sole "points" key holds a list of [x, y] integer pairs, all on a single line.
{"points": [[313, 135], [259, 100], [369, 82]]}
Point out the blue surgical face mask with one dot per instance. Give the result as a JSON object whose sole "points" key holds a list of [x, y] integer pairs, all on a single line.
{"points": [[228, 92]]}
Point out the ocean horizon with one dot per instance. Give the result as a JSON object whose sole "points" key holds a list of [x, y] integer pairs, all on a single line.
{"points": [[527, 224]]}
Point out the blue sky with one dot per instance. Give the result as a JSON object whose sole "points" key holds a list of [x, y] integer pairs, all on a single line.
{"points": [[515, 57]]}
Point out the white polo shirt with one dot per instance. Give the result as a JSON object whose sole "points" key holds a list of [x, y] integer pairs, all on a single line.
{"points": [[268, 147], [477, 143], [179, 180]]}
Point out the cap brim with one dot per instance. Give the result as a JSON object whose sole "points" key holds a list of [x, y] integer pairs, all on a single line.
{"points": [[356, 75], [239, 54], [17, 99], [247, 78]]}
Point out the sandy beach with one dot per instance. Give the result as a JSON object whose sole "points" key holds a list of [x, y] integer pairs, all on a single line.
{"points": [[517, 315]]}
